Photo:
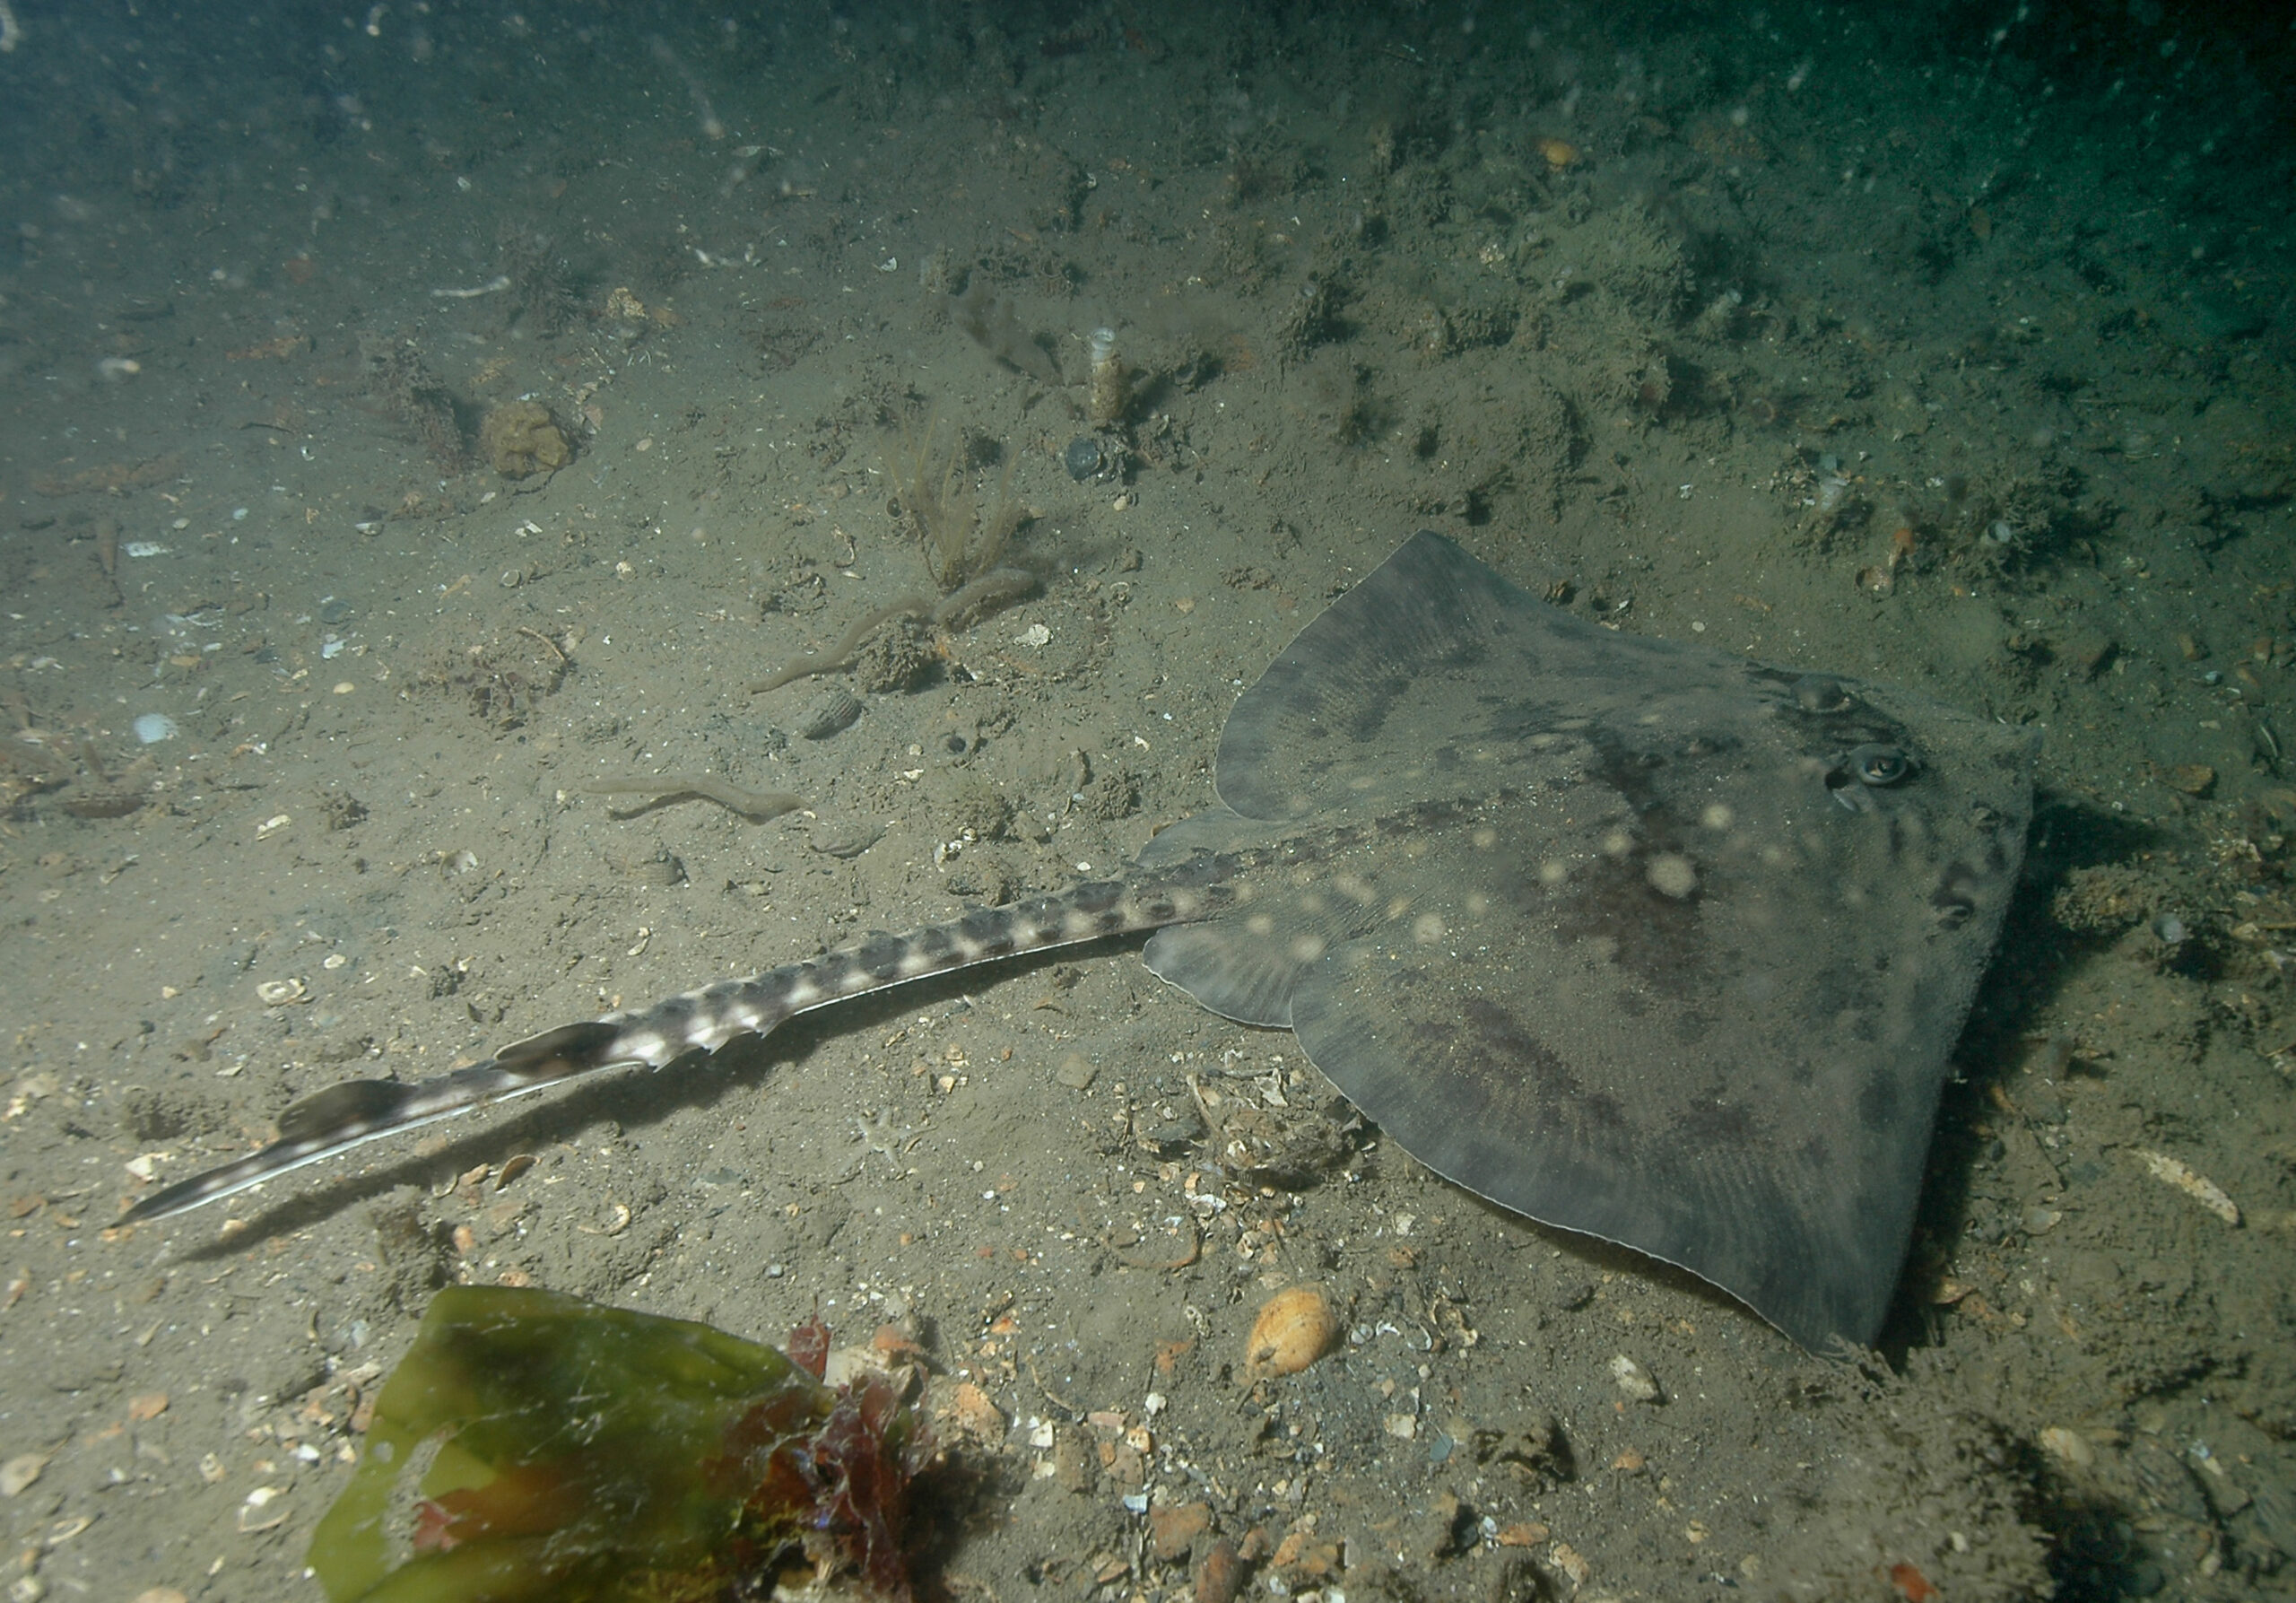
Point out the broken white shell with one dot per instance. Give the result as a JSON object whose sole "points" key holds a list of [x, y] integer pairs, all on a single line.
{"points": [[1633, 1380]]}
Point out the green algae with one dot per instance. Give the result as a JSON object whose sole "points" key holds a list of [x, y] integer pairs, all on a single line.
{"points": [[534, 1446]]}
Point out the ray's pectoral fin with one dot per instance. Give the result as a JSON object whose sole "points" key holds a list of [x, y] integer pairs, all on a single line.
{"points": [[1246, 964], [1485, 1100]]}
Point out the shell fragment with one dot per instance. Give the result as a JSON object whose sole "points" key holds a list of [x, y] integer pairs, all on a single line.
{"points": [[2198, 1186]]}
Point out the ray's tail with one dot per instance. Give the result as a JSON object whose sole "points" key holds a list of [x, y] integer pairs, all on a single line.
{"points": [[342, 1117]]}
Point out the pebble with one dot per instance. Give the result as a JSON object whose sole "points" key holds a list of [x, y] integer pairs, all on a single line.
{"points": [[1177, 1530], [845, 837], [1076, 1071], [2068, 1447]]}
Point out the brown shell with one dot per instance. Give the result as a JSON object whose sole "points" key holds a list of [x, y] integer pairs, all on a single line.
{"points": [[826, 713], [1295, 1328]]}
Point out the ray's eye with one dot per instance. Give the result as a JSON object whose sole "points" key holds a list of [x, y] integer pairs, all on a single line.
{"points": [[1879, 765], [1862, 769]]}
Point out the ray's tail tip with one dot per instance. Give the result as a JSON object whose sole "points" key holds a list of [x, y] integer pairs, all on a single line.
{"points": [[194, 1192], [144, 1210], [163, 1203]]}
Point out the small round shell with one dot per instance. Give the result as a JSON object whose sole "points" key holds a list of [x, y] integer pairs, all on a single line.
{"points": [[832, 711], [1294, 1328], [1560, 153]]}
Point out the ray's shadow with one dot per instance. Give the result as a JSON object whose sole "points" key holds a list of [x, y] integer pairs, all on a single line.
{"points": [[2028, 974]]}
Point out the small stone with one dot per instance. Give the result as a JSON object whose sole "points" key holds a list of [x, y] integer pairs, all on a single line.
{"points": [[1221, 1577], [662, 870], [1074, 1071], [1170, 1137], [2069, 1448], [2089, 654], [845, 837], [972, 1415], [1444, 1529], [1075, 1465], [1175, 1530], [1124, 1464]]}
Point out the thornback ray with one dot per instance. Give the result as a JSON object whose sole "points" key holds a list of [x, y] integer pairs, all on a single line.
{"points": [[1635, 938]]}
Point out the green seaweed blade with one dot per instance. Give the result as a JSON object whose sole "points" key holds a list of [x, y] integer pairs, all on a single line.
{"points": [[561, 1449]]}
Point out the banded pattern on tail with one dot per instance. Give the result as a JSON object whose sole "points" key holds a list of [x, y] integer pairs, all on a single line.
{"points": [[342, 1117]]}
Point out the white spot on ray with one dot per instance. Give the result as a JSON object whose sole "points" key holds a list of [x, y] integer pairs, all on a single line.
{"points": [[1671, 874]]}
